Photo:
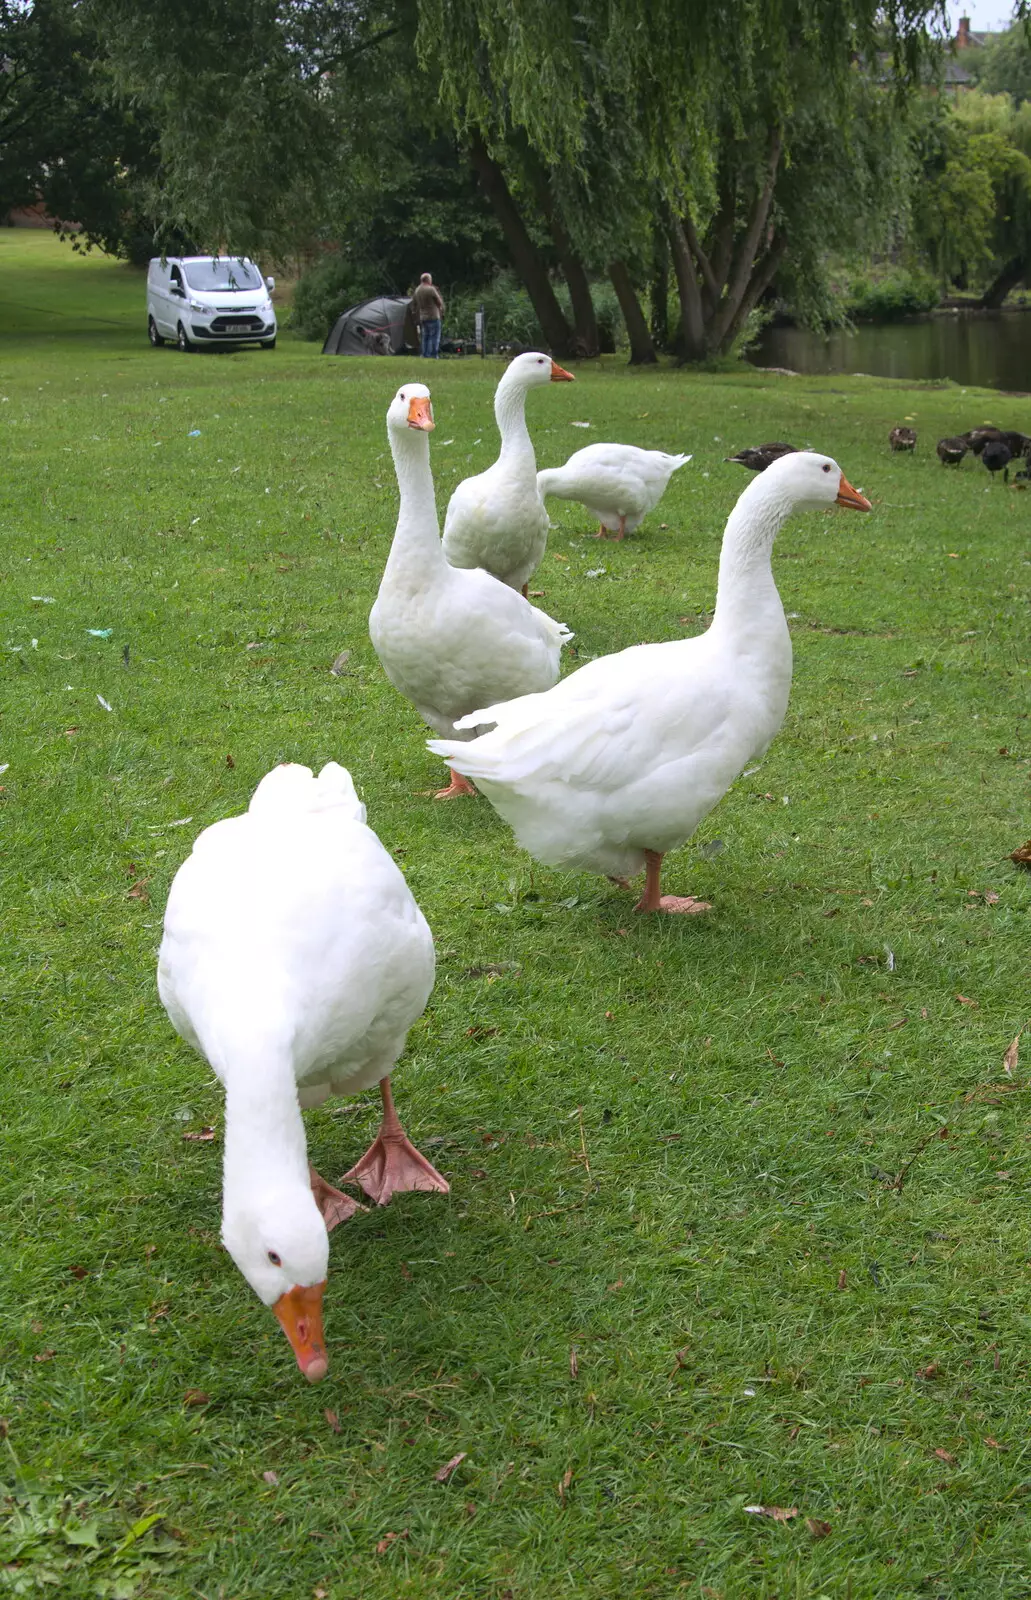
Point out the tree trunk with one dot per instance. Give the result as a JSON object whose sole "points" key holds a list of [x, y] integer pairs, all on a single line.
{"points": [[762, 277], [659, 291], [692, 321], [642, 350], [1012, 274], [584, 319], [749, 248], [526, 258]]}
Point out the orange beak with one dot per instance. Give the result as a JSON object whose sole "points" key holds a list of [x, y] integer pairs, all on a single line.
{"points": [[420, 414], [560, 375], [299, 1311], [847, 496]]}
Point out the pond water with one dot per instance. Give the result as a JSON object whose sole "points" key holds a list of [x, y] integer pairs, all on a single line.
{"points": [[990, 349]]}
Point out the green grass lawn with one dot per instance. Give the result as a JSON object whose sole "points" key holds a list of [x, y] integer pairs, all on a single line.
{"points": [[739, 1203]]}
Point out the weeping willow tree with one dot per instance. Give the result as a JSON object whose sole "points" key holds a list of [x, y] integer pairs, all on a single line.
{"points": [[757, 136]]}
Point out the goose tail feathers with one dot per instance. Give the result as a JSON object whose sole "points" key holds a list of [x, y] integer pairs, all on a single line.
{"points": [[291, 789]]}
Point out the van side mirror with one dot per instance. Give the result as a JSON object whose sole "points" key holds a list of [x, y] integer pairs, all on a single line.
{"points": [[270, 284]]}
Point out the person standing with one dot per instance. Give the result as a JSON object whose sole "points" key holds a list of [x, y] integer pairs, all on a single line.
{"points": [[429, 309]]}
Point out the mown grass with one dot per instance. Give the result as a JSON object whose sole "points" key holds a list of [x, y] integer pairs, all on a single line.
{"points": [[762, 1172]]}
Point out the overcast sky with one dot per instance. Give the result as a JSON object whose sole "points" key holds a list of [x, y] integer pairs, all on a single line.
{"points": [[991, 16]]}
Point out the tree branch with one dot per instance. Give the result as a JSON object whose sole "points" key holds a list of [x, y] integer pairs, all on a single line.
{"points": [[692, 318], [760, 282], [745, 259], [713, 289]]}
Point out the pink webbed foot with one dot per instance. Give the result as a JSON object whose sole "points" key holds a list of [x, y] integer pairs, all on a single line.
{"points": [[684, 903], [458, 786], [392, 1165], [335, 1207], [652, 900]]}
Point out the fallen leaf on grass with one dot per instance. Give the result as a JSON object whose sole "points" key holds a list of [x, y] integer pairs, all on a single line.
{"points": [[202, 1136], [333, 1420], [965, 1000], [479, 1032], [1022, 855], [843, 1279], [614, 1286], [139, 891], [443, 1473], [1009, 1060], [337, 669], [574, 1365], [563, 1485], [79, 1272], [196, 1397], [470, 1509], [777, 1513], [817, 1527], [271, 1477], [230, 762], [930, 1371], [944, 1455], [991, 898], [388, 1539], [44, 1355], [992, 1444]]}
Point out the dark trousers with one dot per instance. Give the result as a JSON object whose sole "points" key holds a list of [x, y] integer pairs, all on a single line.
{"points": [[429, 334]]}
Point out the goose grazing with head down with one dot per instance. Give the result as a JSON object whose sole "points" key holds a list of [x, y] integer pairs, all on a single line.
{"points": [[295, 959], [449, 638], [618, 483], [619, 763], [497, 520]]}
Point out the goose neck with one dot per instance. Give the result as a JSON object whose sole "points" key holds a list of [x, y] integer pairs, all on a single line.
{"points": [[746, 591], [510, 414], [417, 539], [265, 1146]]}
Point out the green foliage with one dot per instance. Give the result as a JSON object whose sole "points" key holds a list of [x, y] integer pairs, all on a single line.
{"points": [[900, 292], [325, 290], [1004, 64]]}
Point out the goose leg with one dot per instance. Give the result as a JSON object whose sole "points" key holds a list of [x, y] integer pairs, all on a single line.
{"points": [[459, 785], [525, 590], [602, 532], [652, 900], [335, 1207], [621, 534], [392, 1164]]}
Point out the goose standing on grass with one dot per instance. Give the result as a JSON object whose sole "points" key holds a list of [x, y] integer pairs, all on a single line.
{"points": [[497, 520], [295, 959], [618, 483], [619, 763], [449, 638], [952, 450], [901, 438]]}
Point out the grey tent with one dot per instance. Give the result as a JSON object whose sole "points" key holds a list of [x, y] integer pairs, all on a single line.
{"points": [[380, 327]]}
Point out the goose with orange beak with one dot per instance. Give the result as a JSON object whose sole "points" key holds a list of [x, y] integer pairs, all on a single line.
{"points": [[497, 520], [295, 959], [620, 762], [444, 633]]}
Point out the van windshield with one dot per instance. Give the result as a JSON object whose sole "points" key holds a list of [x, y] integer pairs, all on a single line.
{"points": [[221, 277]]}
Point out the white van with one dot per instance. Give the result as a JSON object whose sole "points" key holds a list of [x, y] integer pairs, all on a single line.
{"points": [[196, 300]]}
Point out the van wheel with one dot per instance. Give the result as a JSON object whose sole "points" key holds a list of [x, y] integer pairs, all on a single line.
{"points": [[152, 333], [181, 340]]}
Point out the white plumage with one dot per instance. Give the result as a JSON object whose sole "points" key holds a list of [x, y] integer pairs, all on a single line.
{"points": [[449, 639], [497, 519], [620, 762], [295, 960], [618, 483]]}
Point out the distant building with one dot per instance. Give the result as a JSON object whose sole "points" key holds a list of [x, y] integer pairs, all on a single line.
{"points": [[957, 78]]}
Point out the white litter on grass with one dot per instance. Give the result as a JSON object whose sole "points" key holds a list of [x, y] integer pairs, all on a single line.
{"points": [[43, 599], [580, 424], [194, 520], [443, 442], [750, 1393], [596, 572], [34, 643], [4, 768], [889, 956], [104, 703], [784, 800]]}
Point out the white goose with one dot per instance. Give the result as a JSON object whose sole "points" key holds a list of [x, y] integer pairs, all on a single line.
{"points": [[449, 639], [295, 959], [497, 520], [620, 762], [618, 483]]}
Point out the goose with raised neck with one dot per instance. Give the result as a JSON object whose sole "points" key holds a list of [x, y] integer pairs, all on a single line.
{"points": [[449, 638], [497, 519], [620, 762], [295, 959]]}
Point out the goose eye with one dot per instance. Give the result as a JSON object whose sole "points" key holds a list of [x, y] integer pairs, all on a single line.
{"points": [[401, 396], [275, 1260], [827, 468]]}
